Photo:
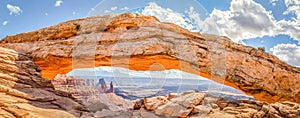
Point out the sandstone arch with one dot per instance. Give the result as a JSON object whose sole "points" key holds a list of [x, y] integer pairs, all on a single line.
{"points": [[253, 71]]}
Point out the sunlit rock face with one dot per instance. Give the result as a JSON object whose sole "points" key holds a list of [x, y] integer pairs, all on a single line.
{"points": [[93, 94], [195, 104], [24, 93], [142, 42]]}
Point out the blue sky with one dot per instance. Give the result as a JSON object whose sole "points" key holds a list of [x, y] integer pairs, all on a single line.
{"points": [[273, 24]]}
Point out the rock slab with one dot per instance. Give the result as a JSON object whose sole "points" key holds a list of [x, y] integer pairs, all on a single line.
{"points": [[207, 106]]}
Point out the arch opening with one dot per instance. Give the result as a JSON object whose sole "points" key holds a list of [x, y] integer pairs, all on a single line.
{"points": [[132, 84]]}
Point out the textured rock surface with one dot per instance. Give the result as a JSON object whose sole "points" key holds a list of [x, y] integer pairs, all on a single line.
{"points": [[212, 107], [91, 96], [23, 93], [143, 43]]}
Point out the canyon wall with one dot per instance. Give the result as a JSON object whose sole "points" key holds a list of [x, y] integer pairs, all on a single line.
{"points": [[24, 94], [142, 42]]}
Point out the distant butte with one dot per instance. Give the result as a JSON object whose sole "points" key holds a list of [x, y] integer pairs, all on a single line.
{"points": [[141, 42]]}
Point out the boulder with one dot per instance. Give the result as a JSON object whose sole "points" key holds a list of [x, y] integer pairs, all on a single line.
{"points": [[188, 99], [212, 107], [155, 102], [171, 109]]}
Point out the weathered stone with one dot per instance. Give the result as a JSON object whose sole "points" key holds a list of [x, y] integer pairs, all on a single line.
{"points": [[189, 99], [155, 102], [23, 93], [201, 109], [95, 98], [252, 106], [171, 95], [139, 104], [112, 114], [214, 106], [247, 113], [147, 114], [222, 103], [259, 114], [238, 109], [114, 40], [171, 109]]}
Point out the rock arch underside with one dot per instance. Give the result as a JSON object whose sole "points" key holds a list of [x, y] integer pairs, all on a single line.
{"points": [[142, 42]]}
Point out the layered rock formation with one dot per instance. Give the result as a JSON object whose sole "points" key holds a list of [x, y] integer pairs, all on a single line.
{"points": [[23, 93], [80, 88], [99, 102], [88, 93], [193, 104], [143, 43]]}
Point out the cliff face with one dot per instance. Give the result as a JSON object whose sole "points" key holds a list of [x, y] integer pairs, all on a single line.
{"points": [[143, 43], [23, 93]]}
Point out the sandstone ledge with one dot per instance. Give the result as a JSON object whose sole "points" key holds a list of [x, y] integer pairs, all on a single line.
{"points": [[198, 105], [23, 93]]}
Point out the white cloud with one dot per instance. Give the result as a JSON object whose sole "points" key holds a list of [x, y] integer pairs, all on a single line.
{"points": [[245, 19], [273, 2], [289, 53], [58, 3], [291, 27], [107, 11], [4, 23], [293, 6], [46, 14], [125, 8], [114, 8], [167, 15], [75, 13], [14, 9]]}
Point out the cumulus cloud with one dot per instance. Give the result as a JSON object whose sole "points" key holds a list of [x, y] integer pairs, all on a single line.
{"points": [[58, 3], [125, 8], [245, 19], [4, 23], [167, 15], [273, 2], [114, 8], [289, 53], [14, 9], [107, 11], [75, 13], [293, 6]]}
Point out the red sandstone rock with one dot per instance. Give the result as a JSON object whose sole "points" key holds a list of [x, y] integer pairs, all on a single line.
{"points": [[23, 93], [143, 43], [207, 108]]}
